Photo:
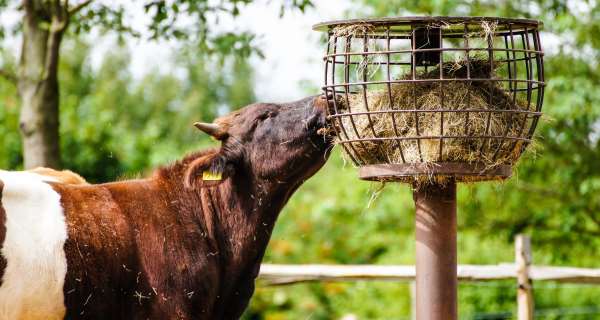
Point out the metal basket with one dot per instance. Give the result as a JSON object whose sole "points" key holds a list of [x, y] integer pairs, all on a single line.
{"points": [[372, 59]]}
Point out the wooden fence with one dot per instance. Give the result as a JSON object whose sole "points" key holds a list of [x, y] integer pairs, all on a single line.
{"points": [[522, 270]]}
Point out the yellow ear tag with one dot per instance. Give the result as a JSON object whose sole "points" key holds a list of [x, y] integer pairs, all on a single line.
{"points": [[211, 176]]}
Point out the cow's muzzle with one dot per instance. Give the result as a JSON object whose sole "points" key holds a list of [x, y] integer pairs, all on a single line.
{"points": [[327, 106]]}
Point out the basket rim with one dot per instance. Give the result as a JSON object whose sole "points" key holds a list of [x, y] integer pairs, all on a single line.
{"points": [[411, 20], [460, 171]]}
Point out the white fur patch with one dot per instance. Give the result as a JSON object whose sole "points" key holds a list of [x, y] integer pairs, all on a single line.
{"points": [[32, 285]]}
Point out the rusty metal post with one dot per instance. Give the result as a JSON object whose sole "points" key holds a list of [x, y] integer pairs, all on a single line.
{"points": [[435, 233]]}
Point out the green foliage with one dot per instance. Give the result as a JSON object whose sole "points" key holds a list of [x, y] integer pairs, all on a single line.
{"points": [[113, 125], [186, 20], [10, 141]]}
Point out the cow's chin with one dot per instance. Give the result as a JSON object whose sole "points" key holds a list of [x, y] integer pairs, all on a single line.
{"points": [[302, 163], [317, 158]]}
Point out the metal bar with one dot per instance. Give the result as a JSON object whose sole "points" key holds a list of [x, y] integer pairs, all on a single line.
{"points": [[389, 87], [351, 53], [437, 137], [540, 76], [439, 80], [397, 171], [346, 94], [408, 63], [354, 154], [529, 70], [392, 63], [528, 91], [511, 119], [533, 113], [515, 71], [441, 143], [435, 233], [540, 89], [527, 73], [413, 69], [510, 66], [457, 35], [467, 54], [490, 41], [541, 73], [406, 22], [364, 93]]}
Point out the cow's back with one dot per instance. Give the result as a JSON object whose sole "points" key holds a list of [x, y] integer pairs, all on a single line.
{"points": [[104, 272], [33, 236], [69, 251], [131, 255]]}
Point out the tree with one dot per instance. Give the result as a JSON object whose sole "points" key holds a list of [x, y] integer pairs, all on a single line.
{"points": [[46, 22]]}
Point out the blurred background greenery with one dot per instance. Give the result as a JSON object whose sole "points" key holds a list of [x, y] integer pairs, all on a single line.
{"points": [[114, 125]]}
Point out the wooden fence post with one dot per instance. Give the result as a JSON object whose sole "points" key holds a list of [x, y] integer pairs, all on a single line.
{"points": [[525, 307], [413, 301]]}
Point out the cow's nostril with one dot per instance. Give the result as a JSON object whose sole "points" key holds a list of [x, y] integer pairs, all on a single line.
{"points": [[330, 104]]}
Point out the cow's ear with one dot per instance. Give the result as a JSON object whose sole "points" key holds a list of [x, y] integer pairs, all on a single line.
{"points": [[208, 170]]}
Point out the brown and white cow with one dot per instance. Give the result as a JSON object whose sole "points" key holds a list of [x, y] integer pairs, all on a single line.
{"points": [[185, 243]]}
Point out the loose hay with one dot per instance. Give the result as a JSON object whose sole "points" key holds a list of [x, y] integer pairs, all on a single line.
{"points": [[456, 95]]}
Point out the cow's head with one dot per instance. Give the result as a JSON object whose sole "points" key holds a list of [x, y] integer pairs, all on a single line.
{"points": [[279, 143]]}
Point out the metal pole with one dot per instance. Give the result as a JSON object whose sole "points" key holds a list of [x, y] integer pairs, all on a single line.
{"points": [[435, 233]]}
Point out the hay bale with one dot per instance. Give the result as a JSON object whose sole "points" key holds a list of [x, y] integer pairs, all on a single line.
{"points": [[457, 95]]}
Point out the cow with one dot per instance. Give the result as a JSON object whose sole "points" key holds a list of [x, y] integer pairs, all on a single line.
{"points": [[184, 243]]}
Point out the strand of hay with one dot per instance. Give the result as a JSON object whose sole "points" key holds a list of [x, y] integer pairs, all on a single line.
{"points": [[457, 95]]}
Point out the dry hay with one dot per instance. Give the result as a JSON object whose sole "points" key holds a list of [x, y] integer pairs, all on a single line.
{"points": [[457, 95]]}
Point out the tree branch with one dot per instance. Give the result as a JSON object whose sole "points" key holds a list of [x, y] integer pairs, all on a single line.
{"points": [[76, 8], [8, 75], [52, 56], [58, 25]]}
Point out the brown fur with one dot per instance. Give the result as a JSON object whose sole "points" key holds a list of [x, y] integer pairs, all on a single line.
{"points": [[65, 176], [173, 246]]}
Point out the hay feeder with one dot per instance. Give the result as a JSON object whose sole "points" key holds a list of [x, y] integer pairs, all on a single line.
{"points": [[433, 101]]}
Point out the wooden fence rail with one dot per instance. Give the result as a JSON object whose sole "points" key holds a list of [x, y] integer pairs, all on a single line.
{"points": [[277, 274], [522, 270]]}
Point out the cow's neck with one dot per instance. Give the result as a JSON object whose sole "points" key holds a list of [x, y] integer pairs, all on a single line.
{"points": [[246, 211], [238, 216]]}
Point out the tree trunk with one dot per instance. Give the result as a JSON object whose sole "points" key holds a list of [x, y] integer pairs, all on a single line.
{"points": [[38, 85]]}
